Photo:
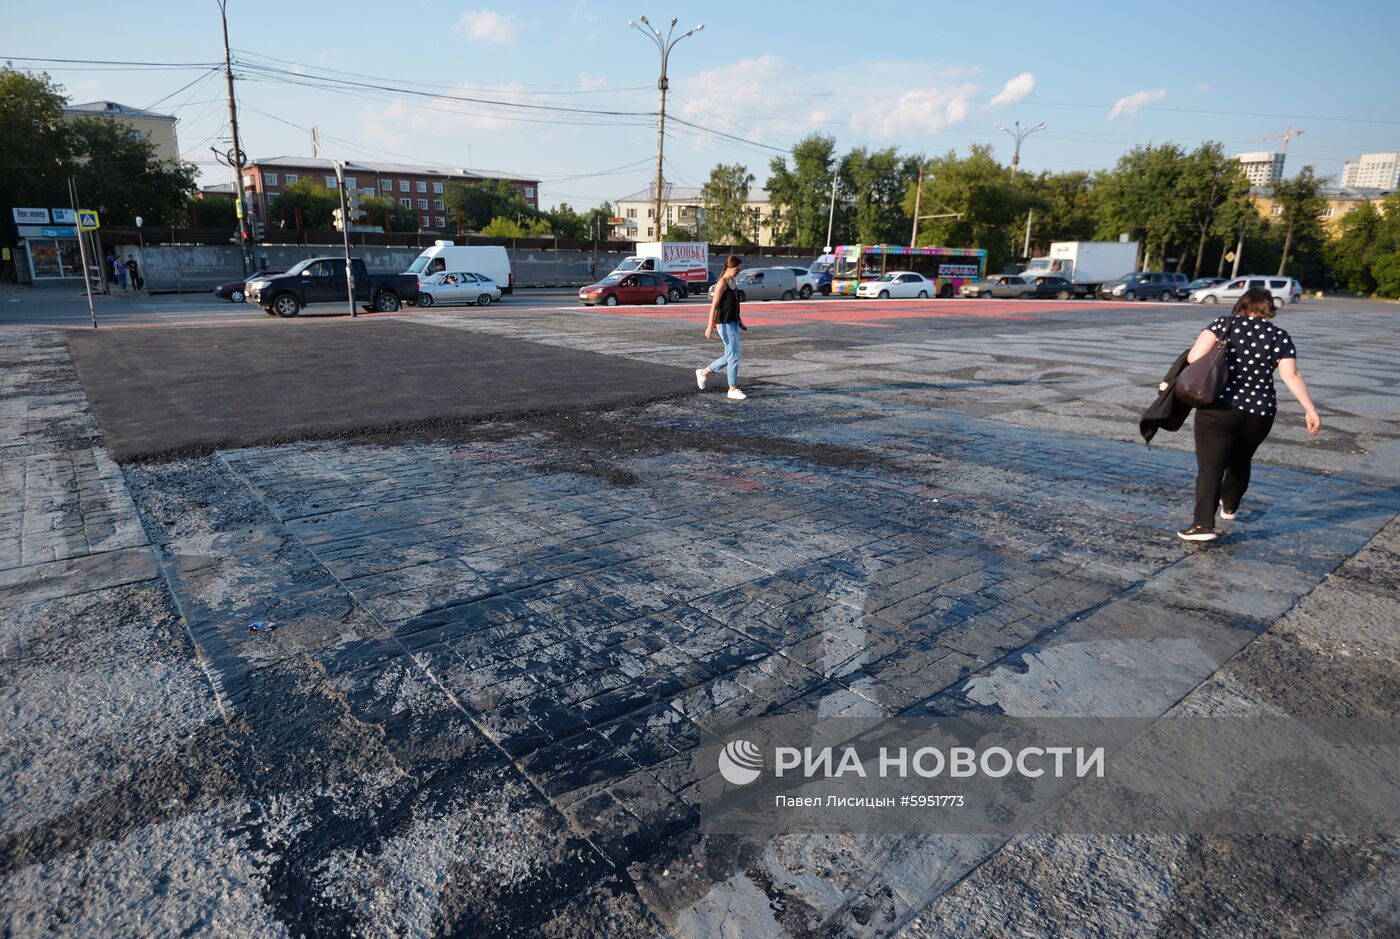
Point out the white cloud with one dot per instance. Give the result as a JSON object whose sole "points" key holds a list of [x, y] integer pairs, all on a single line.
{"points": [[591, 82], [1017, 89], [488, 26], [1203, 88], [1130, 104], [920, 111]]}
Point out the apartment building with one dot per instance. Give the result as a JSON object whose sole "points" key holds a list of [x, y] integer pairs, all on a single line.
{"points": [[682, 207]]}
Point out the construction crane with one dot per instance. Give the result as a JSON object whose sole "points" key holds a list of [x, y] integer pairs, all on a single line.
{"points": [[1286, 136]]}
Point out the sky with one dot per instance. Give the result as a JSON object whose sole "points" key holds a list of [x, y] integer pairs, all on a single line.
{"points": [[565, 92]]}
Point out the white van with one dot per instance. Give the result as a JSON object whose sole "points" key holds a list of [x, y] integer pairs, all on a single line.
{"points": [[487, 260]]}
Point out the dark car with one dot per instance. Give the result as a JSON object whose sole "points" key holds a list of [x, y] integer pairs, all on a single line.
{"points": [[1144, 285], [1200, 283], [625, 287], [322, 280], [233, 292], [1048, 287], [676, 289]]}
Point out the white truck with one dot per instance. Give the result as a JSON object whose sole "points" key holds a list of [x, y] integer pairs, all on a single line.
{"points": [[688, 260], [1086, 264]]}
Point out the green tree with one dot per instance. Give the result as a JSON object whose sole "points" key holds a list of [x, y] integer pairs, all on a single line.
{"points": [[799, 194], [388, 214], [597, 220], [1064, 205], [308, 200], [1351, 254], [1302, 204], [503, 227], [210, 212], [567, 223], [1140, 196], [481, 202], [1238, 216], [35, 147], [981, 204], [118, 173], [1209, 181], [726, 196], [878, 180]]}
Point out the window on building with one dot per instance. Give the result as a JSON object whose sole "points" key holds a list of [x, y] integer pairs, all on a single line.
{"points": [[1328, 213], [291, 178], [403, 185], [650, 233], [649, 211], [437, 186], [406, 202], [386, 185], [529, 192], [1276, 210], [427, 223], [631, 213], [441, 222], [422, 204], [670, 212], [439, 205], [350, 183], [269, 179], [330, 182], [422, 186]]}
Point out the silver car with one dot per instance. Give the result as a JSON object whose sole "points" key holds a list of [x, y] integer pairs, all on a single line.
{"points": [[765, 283], [1002, 287], [1282, 289], [449, 287]]}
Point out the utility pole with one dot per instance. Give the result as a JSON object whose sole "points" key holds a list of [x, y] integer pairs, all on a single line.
{"points": [[831, 213], [664, 45], [1019, 134], [1026, 251], [918, 200], [237, 150]]}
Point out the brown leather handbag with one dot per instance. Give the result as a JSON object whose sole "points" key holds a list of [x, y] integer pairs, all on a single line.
{"points": [[1201, 382]]}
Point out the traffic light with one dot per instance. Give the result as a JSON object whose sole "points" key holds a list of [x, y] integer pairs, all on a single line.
{"points": [[339, 216]]}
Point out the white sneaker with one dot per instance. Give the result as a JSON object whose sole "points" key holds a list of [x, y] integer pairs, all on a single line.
{"points": [[736, 395], [1228, 516], [700, 377]]}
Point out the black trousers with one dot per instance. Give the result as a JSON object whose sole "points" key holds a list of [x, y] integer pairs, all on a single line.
{"points": [[1226, 439]]}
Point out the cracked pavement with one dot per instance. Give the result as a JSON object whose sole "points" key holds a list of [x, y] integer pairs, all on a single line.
{"points": [[496, 644]]}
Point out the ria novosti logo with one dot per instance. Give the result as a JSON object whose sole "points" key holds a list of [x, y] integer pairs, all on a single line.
{"points": [[740, 762]]}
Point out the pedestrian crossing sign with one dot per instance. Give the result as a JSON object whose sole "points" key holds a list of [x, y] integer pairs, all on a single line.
{"points": [[87, 219]]}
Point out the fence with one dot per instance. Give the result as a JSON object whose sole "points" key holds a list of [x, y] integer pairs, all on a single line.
{"points": [[201, 259]]}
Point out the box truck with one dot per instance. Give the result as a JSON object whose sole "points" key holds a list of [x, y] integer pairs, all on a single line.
{"points": [[688, 260], [1087, 264]]}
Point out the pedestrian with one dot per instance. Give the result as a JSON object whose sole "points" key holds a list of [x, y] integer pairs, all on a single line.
{"points": [[119, 271], [1231, 428], [133, 271], [724, 317]]}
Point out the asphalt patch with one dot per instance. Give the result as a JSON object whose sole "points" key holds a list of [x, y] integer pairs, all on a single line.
{"points": [[180, 392]]}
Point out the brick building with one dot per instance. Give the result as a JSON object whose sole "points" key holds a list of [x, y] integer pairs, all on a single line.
{"points": [[420, 188]]}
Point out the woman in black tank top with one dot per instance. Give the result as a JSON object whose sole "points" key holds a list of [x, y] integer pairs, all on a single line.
{"points": [[725, 318]]}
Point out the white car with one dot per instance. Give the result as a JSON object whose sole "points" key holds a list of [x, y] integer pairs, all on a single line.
{"points": [[806, 281], [450, 287], [1284, 290], [898, 285]]}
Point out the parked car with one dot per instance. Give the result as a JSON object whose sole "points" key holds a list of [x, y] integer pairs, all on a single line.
{"points": [[806, 281], [452, 287], [1200, 283], [625, 288], [233, 292], [1002, 287], [765, 283], [677, 288], [821, 275], [1283, 289], [322, 280], [1049, 286], [897, 285], [1143, 285], [486, 260]]}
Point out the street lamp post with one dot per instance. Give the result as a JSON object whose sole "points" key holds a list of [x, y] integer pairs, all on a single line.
{"points": [[1019, 134], [140, 252], [664, 45]]}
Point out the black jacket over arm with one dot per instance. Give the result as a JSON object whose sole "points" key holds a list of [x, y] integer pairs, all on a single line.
{"points": [[1166, 412]]}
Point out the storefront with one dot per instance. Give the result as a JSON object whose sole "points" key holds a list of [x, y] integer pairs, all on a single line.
{"points": [[47, 252]]}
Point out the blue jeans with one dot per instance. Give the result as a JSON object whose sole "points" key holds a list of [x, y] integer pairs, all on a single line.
{"points": [[729, 335]]}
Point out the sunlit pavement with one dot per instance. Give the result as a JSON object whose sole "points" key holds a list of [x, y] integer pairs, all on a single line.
{"points": [[492, 649]]}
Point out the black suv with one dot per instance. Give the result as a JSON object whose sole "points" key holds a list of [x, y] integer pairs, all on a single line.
{"points": [[1144, 285]]}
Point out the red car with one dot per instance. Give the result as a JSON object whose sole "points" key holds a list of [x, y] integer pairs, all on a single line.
{"points": [[625, 288]]}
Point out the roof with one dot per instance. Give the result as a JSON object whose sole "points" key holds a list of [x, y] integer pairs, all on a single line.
{"points": [[407, 169], [113, 109], [1259, 156], [685, 194]]}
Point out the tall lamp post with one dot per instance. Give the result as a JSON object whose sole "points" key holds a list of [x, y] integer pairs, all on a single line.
{"points": [[1019, 134], [664, 45], [141, 252]]}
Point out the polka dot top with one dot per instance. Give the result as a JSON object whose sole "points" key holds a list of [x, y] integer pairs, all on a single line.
{"points": [[1255, 347]]}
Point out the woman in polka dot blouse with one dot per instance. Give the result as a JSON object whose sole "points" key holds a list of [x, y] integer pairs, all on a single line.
{"points": [[1232, 428]]}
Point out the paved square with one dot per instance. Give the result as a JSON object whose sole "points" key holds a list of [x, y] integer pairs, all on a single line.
{"points": [[495, 645]]}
